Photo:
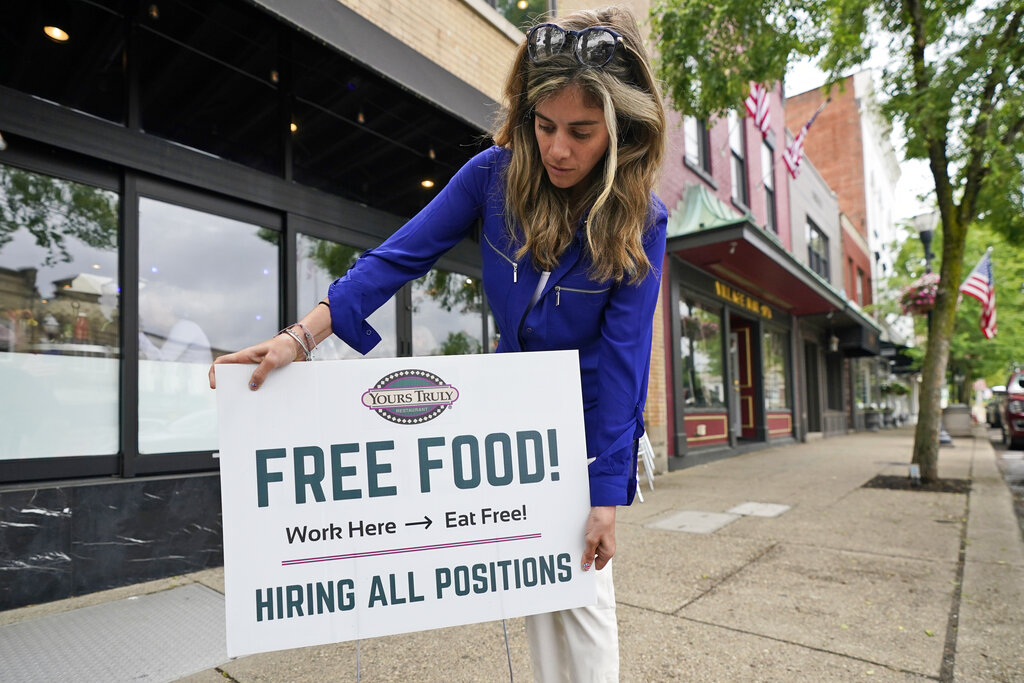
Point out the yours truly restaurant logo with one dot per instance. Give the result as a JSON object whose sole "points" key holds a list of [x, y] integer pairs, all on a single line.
{"points": [[410, 396]]}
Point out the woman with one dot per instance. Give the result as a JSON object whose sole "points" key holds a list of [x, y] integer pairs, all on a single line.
{"points": [[572, 241]]}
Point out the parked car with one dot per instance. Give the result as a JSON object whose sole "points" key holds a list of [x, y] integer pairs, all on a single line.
{"points": [[1013, 411], [994, 407]]}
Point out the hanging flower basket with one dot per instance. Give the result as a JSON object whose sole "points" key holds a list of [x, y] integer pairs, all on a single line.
{"points": [[919, 297]]}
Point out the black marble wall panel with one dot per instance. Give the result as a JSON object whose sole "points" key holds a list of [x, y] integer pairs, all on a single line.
{"points": [[35, 540], [71, 540]]}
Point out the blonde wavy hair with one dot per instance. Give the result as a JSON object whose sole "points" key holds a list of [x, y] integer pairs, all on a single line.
{"points": [[619, 195]]}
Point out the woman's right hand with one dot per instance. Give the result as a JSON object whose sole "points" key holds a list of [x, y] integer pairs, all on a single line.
{"points": [[272, 354]]}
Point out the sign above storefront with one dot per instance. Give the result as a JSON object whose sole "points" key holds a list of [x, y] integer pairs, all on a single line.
{"points": [[742, 300]]}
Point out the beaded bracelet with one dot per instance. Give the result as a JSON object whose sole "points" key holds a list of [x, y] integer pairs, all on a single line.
{"points": [[288, 331]]}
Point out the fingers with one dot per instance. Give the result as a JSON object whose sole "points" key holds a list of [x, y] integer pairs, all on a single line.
{"points": [[269, 355], [589, 553], [599, 538]]}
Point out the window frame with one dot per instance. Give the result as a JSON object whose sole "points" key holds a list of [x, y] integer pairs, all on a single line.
{"points": [[699, 158], [739, 190], [46, 160], [768, 183], [817, 261]]}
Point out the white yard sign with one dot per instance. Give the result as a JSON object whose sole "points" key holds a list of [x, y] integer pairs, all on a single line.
{"points": [[378, 496]]}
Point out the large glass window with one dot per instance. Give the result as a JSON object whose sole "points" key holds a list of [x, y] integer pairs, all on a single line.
{"points": [[59, 317], [209, 80], [776, 370], [447, 314], [81, 66], [321, 262], [208, 285], [700, 351]]}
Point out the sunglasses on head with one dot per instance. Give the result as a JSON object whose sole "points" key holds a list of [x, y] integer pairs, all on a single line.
{"points": [[594, 46]]}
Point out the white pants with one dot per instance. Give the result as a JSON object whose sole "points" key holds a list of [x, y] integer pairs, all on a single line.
{"points": [[580, 645]]}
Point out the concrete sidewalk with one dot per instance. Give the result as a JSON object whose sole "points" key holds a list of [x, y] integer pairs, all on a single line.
{"points": [[776, 565]]}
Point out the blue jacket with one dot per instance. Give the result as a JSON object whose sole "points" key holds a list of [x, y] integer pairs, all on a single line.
{"points": [[609, 324]]}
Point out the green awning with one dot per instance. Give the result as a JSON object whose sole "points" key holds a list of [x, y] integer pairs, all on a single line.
{"points": [[699, 209]]}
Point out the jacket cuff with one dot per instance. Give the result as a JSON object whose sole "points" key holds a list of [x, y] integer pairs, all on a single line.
{"points": [[607, 489], [346, 321]]}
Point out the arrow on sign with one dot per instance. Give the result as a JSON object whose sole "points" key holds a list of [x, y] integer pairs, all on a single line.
{"points": [[426, 522]]}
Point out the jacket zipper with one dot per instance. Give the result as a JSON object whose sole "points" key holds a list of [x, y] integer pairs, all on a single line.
{"points": [[515, 266], [559, 289]]}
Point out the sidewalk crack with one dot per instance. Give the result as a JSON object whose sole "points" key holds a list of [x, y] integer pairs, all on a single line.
{"points": [[949, 649], [715, 585]]}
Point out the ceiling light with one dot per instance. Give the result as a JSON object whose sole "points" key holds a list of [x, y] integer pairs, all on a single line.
{"points": [[294, 126], [522, 4], [360, 117], [427, 182], [154, 12], [56, 34]]}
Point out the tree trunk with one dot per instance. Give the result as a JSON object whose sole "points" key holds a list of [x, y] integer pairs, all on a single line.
{"points": [[940, 335]]}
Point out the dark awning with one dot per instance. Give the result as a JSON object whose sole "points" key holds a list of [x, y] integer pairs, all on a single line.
{"points": [[747, 257], [363, 41]]}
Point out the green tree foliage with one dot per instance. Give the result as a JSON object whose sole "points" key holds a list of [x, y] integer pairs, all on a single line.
{"points": [[953, 80], [458, 344], [970, 353], [53, 211], [333, 258], [452, 291]]}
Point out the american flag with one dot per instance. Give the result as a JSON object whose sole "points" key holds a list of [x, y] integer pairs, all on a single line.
{"points": [[982, 286], [757, 106], [794, 154]]}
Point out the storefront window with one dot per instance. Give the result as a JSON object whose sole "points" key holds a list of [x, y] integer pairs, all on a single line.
{"points": [[59, 317], [861, 384], [446, 314], [208, 285], [321, 262], [776, 370], [700, 352], [84, 71]]}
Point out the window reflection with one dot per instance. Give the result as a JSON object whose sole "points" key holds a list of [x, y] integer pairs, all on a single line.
{"points": [[700, 351], [59, 313], [208, 285], [776, 370], [446, 314], [320, 262]]}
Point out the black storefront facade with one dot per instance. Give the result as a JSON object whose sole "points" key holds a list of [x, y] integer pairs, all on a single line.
{"points": [[762, 350], [181, 179]]}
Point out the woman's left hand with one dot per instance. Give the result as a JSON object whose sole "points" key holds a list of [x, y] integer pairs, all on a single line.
{"points": [[599, 537]]}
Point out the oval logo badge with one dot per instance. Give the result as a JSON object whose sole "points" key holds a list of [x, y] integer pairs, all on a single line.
{"points": [[410, 396]]}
